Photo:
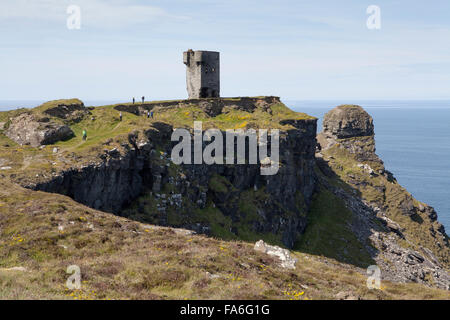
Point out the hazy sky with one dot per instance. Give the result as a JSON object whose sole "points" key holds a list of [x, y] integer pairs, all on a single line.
{"points": [[294, 49]]}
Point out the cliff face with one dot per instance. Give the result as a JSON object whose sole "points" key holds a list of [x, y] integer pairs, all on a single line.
{"points": [[401, 234], [105, 186], [232, 201]]}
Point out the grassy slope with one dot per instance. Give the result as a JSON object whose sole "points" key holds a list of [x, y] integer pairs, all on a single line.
{"points": [[120, 258]]}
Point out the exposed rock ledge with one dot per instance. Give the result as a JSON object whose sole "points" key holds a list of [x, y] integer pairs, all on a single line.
{"points": [[27, 129]]}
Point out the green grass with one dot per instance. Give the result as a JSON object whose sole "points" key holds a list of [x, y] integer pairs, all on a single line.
{"points": [[328, 232]]}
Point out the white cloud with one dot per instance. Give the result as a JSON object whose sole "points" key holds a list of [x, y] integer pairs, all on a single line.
{"points": [[94, 13]]}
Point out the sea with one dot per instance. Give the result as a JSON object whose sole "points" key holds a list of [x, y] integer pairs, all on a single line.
{"points": [[412, 138]]}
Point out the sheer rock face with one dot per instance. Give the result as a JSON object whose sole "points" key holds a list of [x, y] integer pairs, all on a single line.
{"points": [[348, 121], [27, 129]]}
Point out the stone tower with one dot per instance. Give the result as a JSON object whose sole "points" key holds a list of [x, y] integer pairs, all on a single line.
{"points": [[202, 74]]}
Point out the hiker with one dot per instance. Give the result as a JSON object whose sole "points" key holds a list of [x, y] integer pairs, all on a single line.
{"points": [[143, 98], [134, 100], [151, 114], [84, 135], [120, 116], [148, 114]]}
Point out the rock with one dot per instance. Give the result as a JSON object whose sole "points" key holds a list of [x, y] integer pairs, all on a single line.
{"points": [[156, 187], [212, 276], [392, 225], [346, 295], [184, 232], [5, 168], [348, 121], [72, 110], [55, 150], [406, 205], [27, 129], [21, 269], [283, 254]]}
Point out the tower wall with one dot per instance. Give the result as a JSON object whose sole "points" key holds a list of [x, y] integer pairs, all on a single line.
{"points": [[202, 74]]}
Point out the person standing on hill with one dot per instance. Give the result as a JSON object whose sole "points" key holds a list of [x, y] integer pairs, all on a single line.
{"points": [[148, 114], [84, 135], [134, 100], [143, 99], [120, 116], [151, 114]]}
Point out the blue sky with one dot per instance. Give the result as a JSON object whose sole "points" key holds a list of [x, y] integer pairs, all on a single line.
{"points": [[294, 49]]}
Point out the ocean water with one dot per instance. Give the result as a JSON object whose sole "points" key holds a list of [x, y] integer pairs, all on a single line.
{"points": [[412, 138]]}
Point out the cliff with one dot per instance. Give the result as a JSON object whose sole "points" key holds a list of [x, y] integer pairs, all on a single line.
{"points": [[332, 201], [231, 201], [401, 234]]}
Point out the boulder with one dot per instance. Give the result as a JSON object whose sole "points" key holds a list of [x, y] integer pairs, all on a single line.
{"points": [[283, 254], [348, 121], [26, 129], [20, 269]]}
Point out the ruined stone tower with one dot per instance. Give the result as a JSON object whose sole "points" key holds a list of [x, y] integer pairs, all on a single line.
{"points": [[202, 74]]}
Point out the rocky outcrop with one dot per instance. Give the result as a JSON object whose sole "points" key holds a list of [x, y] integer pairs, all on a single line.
{"points": [[286, 260], [28, 129], [348, 121], [69, 110], [47, 124], [400, 233]]}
